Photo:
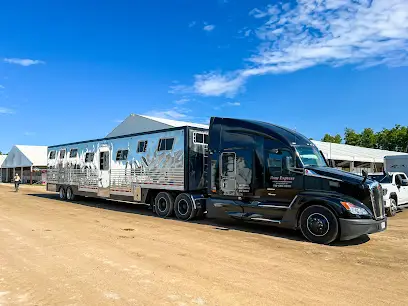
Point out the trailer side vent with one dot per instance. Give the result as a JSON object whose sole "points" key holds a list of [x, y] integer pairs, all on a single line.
{"points": [[165, 144], [142, 146], [122, 154]]}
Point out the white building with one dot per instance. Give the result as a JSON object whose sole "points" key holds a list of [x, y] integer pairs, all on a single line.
{"points": [[346, 157], [28, 161]]}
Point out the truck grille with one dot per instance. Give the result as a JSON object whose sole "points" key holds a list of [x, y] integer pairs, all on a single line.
{"points": [[377, 200]]}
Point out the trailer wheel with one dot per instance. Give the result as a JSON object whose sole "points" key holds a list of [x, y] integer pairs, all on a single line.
{"points": [[62, 193], [164, 203], [319, 225], [184, 207], [392, 210], [70, 194]]}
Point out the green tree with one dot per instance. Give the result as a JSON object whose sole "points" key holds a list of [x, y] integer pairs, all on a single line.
{"points": [[351, 137], [332, 139], [368, 138]]}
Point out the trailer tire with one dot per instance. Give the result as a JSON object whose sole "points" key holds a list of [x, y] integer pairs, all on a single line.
{"points": [[319, 224], [184, 207], [62, 193], [164, 204], [70, 194]]}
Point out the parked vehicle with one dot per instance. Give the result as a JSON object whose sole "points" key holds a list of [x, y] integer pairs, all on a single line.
{"points": [[396, 163], [395, 190], [241, 169]]}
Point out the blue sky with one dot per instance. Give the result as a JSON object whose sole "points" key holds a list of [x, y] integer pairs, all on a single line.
{"points": [[71, 72]]}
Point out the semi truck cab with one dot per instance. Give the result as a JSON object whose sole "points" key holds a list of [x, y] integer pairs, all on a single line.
{"points": [[259, 172]]}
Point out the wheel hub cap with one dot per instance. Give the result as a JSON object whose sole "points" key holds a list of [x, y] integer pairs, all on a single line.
{"points": [[318, 224]]}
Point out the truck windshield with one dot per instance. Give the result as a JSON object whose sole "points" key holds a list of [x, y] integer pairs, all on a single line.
{"points": [[382, 178], [310, 156]]}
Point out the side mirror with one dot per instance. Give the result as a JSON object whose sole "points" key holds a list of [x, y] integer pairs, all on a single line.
{"points": [[364, 173]]}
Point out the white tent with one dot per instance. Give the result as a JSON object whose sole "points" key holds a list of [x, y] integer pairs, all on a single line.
{"points": [[141, 123], [338, 151], [26, 156], [2, 158]]}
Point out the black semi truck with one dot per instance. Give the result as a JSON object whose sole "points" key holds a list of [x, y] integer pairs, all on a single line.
{"points": [[242, 169]]}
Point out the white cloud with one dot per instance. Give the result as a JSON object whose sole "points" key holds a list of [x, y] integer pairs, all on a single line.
{"points": [[118, 120], [192, 24], [29, 133], [215, 84], [4, 110], [2, 87], [234, 103], [182, 101], [23, 61], [175, 113], [307, 33], [209, 27]]}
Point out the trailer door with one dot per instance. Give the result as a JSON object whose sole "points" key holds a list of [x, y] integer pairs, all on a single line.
{"points": [[104, 173]]}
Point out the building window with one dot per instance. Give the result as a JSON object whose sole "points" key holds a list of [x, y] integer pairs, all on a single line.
{"points": [[89, 157], [52, 155], [165, 144], [141, 146], [200, 138], [73, 153], [62, 154], [122, 154]]}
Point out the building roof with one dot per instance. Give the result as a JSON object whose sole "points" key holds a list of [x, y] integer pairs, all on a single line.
{"points": [[345, 152], [140, 123], [26, 156]]}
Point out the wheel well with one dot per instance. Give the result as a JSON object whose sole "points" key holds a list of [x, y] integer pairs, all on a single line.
{"points": [[308, 204]]}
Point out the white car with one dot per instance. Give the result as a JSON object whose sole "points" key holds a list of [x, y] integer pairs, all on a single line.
{"points": [[395, 190]]}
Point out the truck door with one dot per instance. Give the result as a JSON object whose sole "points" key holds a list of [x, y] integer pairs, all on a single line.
{"points": [[402, 190], [104, 172]]}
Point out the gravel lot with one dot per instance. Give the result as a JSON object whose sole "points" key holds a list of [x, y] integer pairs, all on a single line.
{"points": [[96, 252]]}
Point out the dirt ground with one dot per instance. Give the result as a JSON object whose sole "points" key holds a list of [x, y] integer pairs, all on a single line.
{"points": [[95, 252]]}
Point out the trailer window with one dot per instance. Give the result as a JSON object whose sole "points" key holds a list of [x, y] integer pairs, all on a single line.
{"points": [[73, 153], [52, 155], [141, 146], [104, 161], [89, 157], [122, 154], [62, 154], [165, 144], [200, 138]]}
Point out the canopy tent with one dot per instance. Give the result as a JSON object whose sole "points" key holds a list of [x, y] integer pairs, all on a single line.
{"points": [[26, 156]]}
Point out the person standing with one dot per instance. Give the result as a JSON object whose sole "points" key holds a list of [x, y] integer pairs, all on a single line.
{"points": [[17, 181]]}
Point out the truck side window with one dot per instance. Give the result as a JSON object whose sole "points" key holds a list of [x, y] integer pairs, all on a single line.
{"points": [[398, 180]]}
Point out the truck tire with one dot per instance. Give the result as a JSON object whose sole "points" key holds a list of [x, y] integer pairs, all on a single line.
{"points": [[184, 207], [319, 225], [62, 193], [164, 204], [70, 194], [392, 210]]}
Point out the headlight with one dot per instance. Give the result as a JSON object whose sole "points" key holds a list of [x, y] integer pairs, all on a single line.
{"points": [[354, 209], [385, 191]]}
